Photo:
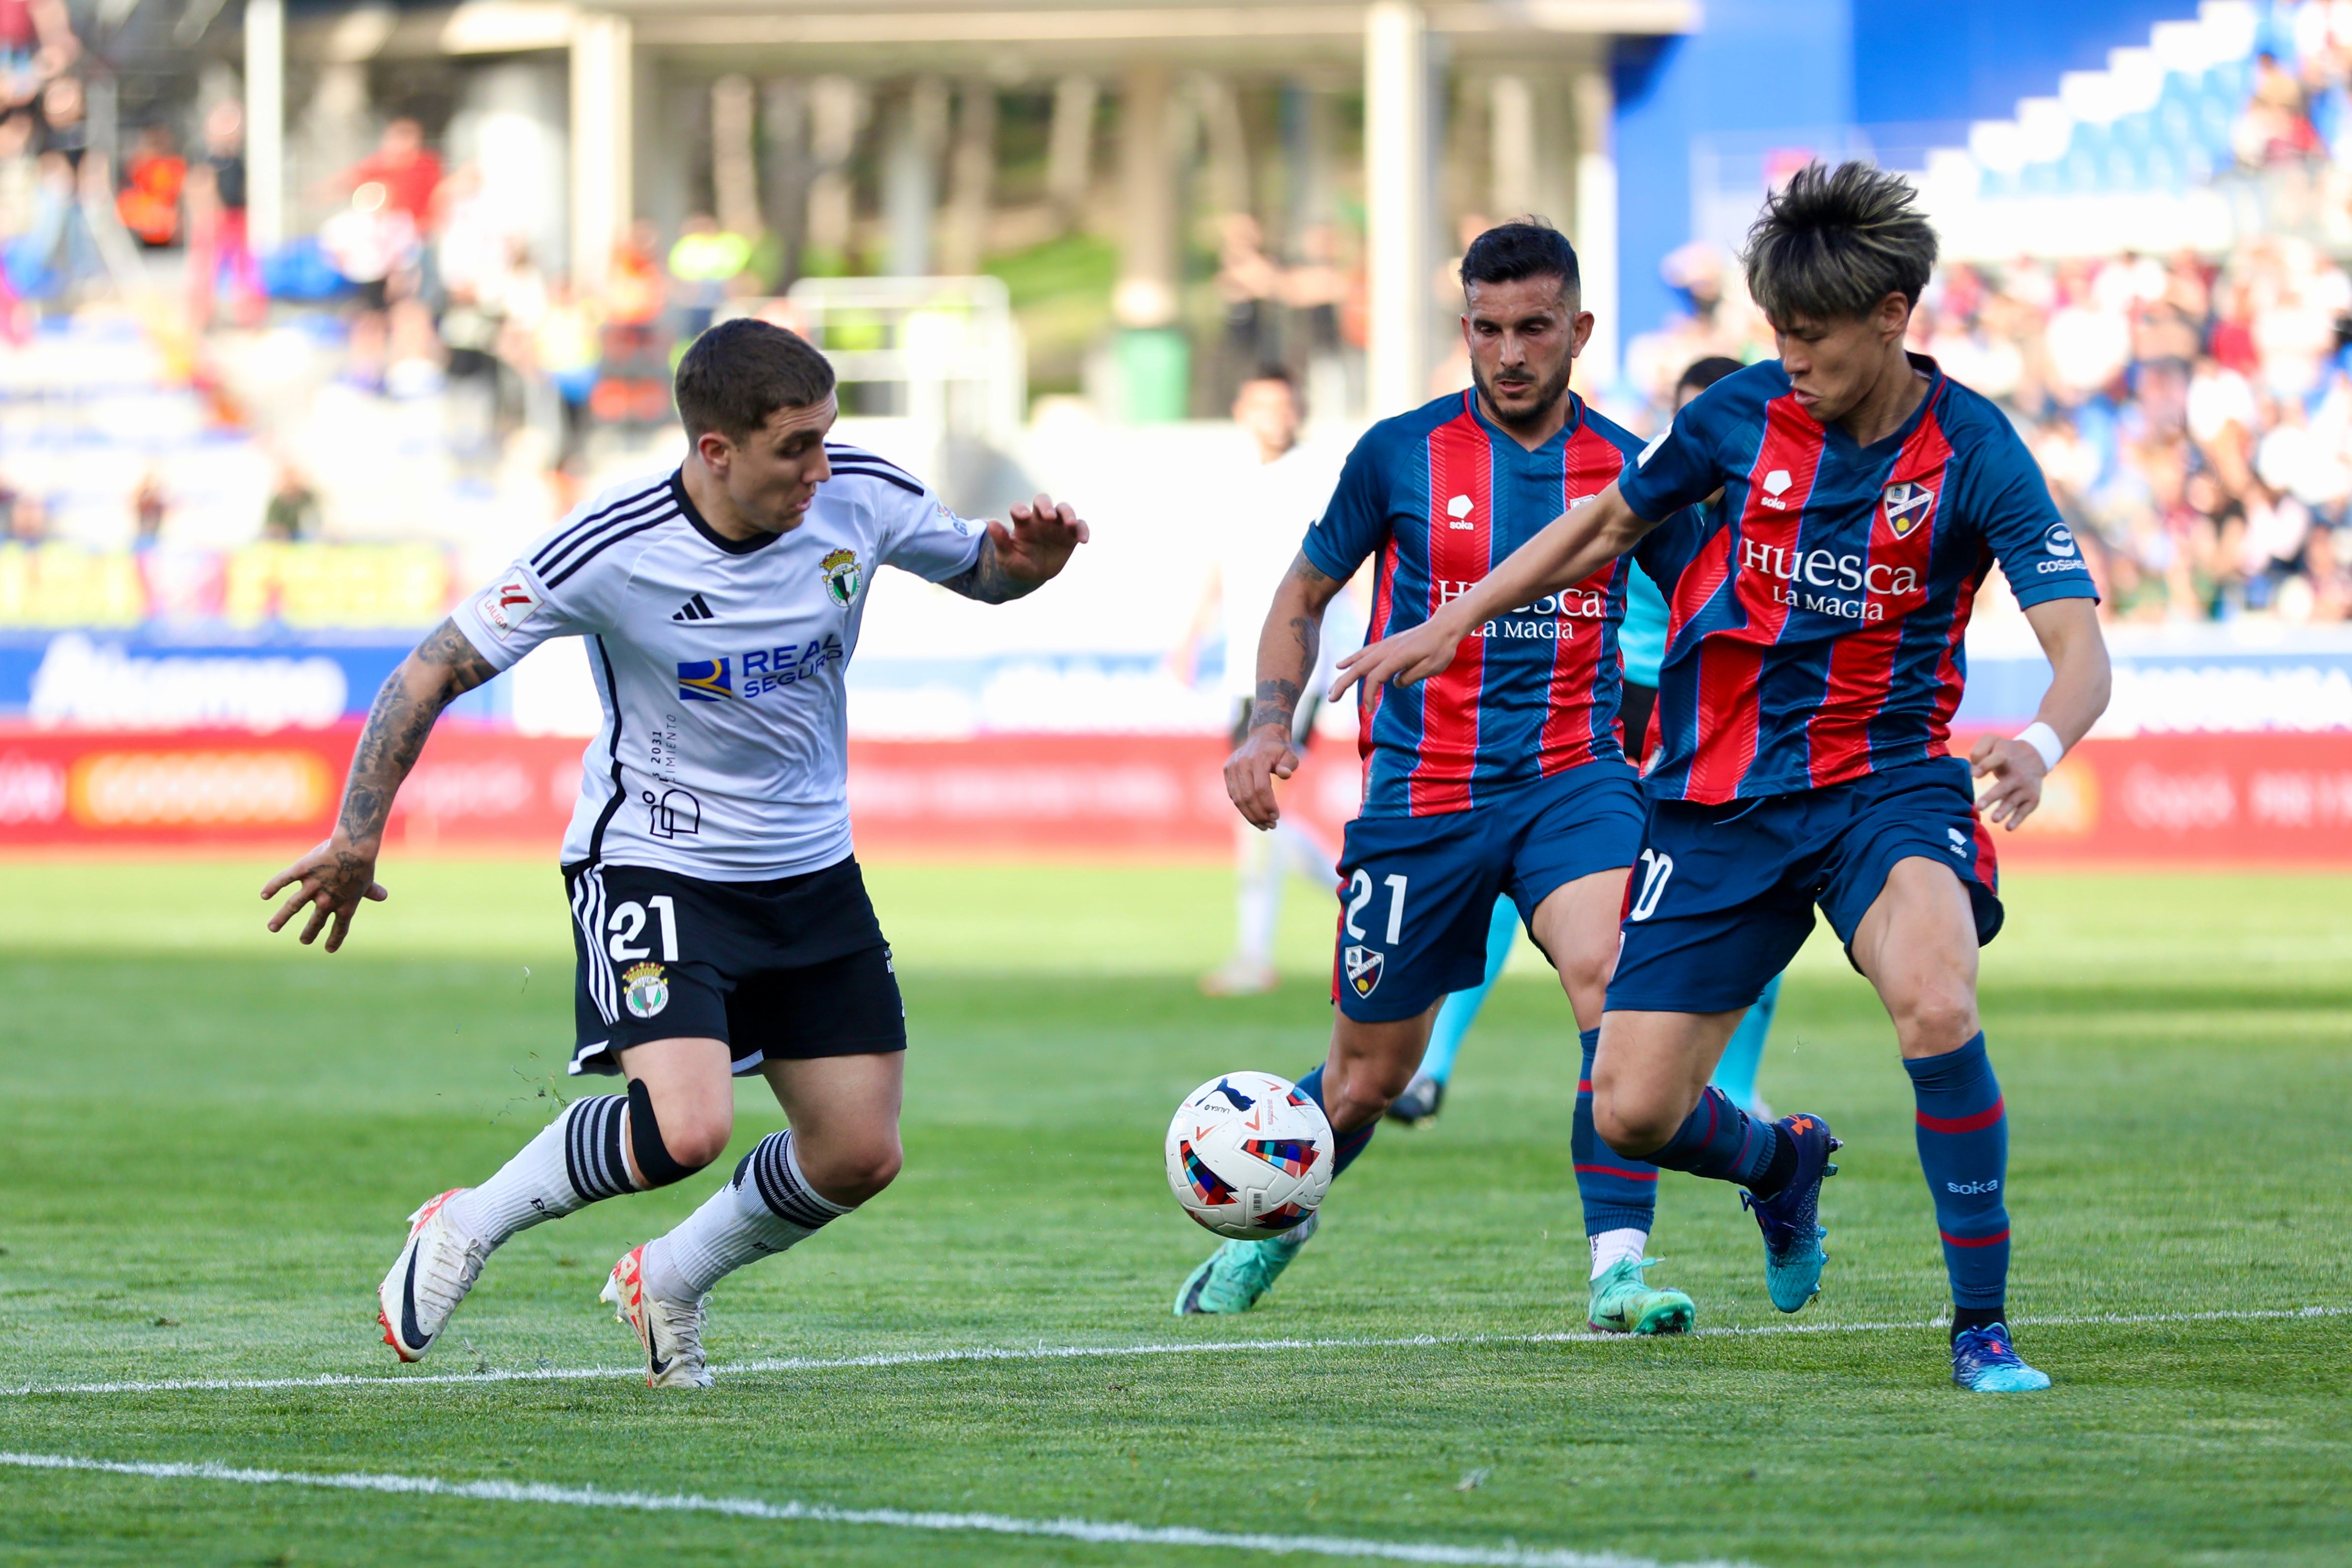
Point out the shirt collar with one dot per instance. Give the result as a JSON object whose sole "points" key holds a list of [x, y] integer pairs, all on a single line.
{"points": [[693, 514]]}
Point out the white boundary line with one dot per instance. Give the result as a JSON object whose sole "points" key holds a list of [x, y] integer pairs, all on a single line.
{"points": [[1089, 1353], [1101, 1532]]}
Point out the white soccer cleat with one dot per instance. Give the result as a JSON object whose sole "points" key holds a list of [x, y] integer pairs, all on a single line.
{"points": [[670, 1331], [431, 1276]]}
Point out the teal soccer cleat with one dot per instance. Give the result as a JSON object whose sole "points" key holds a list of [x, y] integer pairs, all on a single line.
{"points": [[1789, 1218], [1984, 1362], [1625, 1303], [1239, 1273]]}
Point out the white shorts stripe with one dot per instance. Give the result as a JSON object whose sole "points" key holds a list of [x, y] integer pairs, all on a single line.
{"points": [[588, 909], [1107, 1533]]}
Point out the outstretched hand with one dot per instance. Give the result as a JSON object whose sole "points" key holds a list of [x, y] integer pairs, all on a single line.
{"points": [[1038, 544], [334, 878], [2016, 770], [1403, 659]]}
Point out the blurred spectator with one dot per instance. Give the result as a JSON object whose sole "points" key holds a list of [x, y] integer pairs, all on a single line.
{"points": [[59, 249], [219, 250], [149, 507], [152, 179], [633, 380], [567, 349], [28, 519], [405, 167], [37, 39], [370, 242], [705, 259], [292, 515], [1247, 283]]}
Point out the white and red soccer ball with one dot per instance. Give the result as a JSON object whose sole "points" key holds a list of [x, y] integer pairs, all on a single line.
{"points": [[1249, 1156]]}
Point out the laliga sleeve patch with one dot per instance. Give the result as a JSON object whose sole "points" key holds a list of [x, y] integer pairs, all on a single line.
{"points": [[506, 607]]}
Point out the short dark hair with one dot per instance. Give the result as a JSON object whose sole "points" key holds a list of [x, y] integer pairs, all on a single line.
{"points": [[1525, 247], [1833, 243], [1704, 372], [738, 373], [1270, 371]]}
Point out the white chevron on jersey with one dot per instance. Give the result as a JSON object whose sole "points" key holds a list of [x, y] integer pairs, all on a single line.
{"points": [[720, 662]]}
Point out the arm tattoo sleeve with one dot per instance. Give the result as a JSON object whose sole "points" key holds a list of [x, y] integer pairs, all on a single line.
{"points": [[985, 579], [1307, 591], [398, 724]]}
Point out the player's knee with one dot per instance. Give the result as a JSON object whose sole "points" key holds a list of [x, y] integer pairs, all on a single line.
{"points": [[853, 1173], [667, 1151], [1632, 1124], [1935, 1021]]}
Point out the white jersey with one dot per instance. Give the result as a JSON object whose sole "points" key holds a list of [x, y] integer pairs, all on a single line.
{"points": [[1267, 514], [724, 752]]}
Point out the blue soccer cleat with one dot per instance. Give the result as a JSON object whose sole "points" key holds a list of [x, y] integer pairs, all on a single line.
{"points": [[1984, 1362], [1236, 1275], [1789, 1218]]}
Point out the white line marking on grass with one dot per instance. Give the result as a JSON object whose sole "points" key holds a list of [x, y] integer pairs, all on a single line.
{"points": [[1092, 1352], [1100, 1532]]}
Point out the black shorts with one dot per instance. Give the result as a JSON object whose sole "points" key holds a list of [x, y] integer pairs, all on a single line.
{"points": [[783, 970]]}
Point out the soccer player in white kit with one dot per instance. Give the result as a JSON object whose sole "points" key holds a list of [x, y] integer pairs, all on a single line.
{"points": [[721, 921]]}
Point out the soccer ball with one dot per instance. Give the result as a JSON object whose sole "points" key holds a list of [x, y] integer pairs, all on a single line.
{"points": [[1249, 1156]]}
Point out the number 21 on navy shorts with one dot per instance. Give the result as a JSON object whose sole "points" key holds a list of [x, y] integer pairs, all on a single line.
{"points": [[1417, 893]]}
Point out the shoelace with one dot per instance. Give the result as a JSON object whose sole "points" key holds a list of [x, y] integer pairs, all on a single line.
{"points": [[440, 1284], [681, 1327]]}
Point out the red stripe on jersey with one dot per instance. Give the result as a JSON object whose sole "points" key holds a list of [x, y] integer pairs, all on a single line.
{"points": [[1895, 583], [1947, 669], [1368, 693], [1589, 466], [1460, 469], [1988, 864], [1729, 691]]}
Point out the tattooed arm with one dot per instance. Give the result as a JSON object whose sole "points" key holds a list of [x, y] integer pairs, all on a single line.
{"points": [[334, 876], [1020, 559], [1286, 663]]}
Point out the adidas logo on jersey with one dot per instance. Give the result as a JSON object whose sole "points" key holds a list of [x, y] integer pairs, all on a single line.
{"points": [[694, 609]]}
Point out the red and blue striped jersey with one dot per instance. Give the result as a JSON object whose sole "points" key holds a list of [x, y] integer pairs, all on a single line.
{"points": [[1443, 494], [1815, 617]]}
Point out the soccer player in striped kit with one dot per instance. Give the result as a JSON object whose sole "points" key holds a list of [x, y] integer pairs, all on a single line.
{"points": [[721, 919], [1507, 777], [1814, 661]]}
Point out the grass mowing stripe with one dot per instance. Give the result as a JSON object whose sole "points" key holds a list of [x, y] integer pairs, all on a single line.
{"points": [[1094, 1532], [1083, 1353]]}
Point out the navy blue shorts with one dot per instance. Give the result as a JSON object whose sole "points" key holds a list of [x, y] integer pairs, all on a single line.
{"points": [[1722, 896], [1417, 893]]}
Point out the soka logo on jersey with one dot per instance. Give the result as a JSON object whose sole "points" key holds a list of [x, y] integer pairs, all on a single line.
{"points": [[1906, 506], [645, 988], [1362, 967], [1776, 486], [842, 577], [1458, 511], [506, 607]]}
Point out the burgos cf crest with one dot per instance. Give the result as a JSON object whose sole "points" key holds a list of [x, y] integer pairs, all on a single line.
{"points": [[1906, 506], [705, 680], [1362, 967], [645, 988], [842, 578]]}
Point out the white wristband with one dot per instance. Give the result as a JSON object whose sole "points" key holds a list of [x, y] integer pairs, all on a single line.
{"points": [[2044, 739]]}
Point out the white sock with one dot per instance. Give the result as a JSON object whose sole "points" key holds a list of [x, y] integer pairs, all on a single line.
{"points": [[768, 1206], [1612, 1248], [575, 1161], [1258, 897]]}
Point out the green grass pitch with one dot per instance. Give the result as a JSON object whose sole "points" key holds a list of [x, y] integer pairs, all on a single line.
{"points": [[211, 1141]]}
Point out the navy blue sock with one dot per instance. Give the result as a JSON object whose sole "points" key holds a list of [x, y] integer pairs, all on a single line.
{"points": [[1963, 1133], [1350, 1143], [1619, 1194], [1720, 1141]]}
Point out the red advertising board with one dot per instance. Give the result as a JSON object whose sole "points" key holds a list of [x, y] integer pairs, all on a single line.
{"points": [[2178, 800]]}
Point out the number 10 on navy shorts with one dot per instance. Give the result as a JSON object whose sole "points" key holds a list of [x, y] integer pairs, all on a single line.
{"points": [[1417, 893]]}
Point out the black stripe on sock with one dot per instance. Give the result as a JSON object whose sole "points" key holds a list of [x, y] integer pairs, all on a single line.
{"points": [[592, 1148], [787, 1197]]}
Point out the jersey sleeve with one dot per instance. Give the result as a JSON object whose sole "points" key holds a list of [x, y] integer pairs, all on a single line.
{"points": [[548, 592], [2005, 496], [1355, 519], [1681, 467], [919, 532]]}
